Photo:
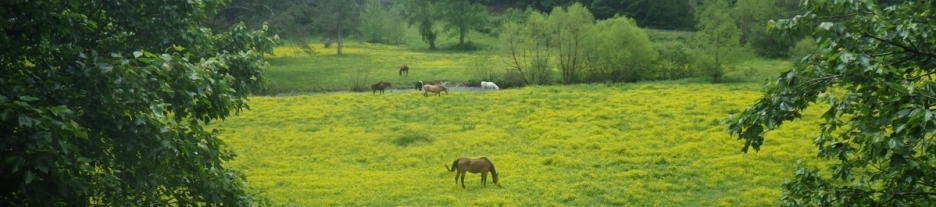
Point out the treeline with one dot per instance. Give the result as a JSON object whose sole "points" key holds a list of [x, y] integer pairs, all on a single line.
{"points": [[585, 41], [656, 14]]}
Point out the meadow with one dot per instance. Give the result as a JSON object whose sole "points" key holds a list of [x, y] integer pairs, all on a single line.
{"points": [[295, 72], [612, 144], [644, 144]]}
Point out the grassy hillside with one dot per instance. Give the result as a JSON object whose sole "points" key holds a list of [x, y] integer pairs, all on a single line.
{"points": [[648, 144]]}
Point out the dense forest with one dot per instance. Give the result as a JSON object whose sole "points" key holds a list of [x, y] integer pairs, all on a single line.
{"points": [[655, 14], [334, 19]]}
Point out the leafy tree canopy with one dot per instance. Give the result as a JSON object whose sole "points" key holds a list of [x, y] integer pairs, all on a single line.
{"points": [[874, 73], [718, 47], [104, 102]]}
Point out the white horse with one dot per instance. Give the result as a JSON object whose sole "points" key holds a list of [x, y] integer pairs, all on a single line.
{"points": [[486, 85]]}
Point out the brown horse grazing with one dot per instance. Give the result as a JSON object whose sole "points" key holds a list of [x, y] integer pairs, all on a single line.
{"points": [[437, 89], [404, 70], [380, 86], [481, 165]]}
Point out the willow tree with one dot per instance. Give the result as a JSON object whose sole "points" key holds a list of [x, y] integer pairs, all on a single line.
{"points": [[873, 74], [105, 103]]}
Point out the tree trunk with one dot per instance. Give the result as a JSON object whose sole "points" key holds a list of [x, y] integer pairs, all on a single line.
{"points": [[461, 37], [339, 37]]}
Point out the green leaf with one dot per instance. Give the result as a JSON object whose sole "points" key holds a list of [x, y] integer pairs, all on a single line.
{"points": [[29, 177], [896, 163], [28, 98], [42, 166], [137, 54], [826, 25]]}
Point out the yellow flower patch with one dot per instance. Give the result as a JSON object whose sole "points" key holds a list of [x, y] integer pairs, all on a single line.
{"points": [[649, 144]]}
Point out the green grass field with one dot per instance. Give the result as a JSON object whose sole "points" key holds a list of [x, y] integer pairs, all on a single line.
{"points": [[647, 144], [293, 71], [639, 144]]}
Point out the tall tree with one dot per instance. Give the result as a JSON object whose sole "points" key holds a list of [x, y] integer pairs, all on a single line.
{"points": [[423, 14], [874, 73], [717, 43], [513, 44], [338, 18], [530, 46], [105, 104], [461, 16], [573, 24], [540, 46]]}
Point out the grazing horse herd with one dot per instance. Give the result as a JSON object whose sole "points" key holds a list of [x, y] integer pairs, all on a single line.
{"points": [[436, 88], [461, 165]]}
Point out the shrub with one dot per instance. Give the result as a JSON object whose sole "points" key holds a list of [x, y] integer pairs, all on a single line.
{"points": [[381, 24]]}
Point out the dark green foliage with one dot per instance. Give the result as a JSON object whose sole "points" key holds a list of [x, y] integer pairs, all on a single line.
{"points": [[462, 16], [657, 14], [717, 47], [291, 19], [673, 63], [423, 14], [806, 46], [381, 23], [410, 138], [752, 17], [873, 74], [618, 51], [338, 18], [105, 104]]}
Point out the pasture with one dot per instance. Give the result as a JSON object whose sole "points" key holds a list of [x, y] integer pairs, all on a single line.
{"points": [[644, 144], [294, 72]]}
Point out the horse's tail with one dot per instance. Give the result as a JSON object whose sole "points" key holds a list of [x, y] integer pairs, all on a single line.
{"points": [[454, 166]]}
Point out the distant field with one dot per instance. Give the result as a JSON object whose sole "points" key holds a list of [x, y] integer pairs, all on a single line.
{"points": [[645, 144], [293, 71]]}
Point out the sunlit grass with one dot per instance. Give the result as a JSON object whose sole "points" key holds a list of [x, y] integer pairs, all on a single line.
{"points": [[648, 144], [294, 71]]}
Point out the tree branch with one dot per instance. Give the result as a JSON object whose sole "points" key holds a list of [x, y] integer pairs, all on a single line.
{"points": [[905, 47]]}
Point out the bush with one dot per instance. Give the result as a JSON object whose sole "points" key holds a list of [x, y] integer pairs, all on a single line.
{"points": [[617, 50], [380, 24], [804, 47], [512, 79], [673, 63]]}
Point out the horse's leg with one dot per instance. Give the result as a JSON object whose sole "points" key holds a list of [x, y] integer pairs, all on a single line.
{"points": [[463, 178], [484, 178]]}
